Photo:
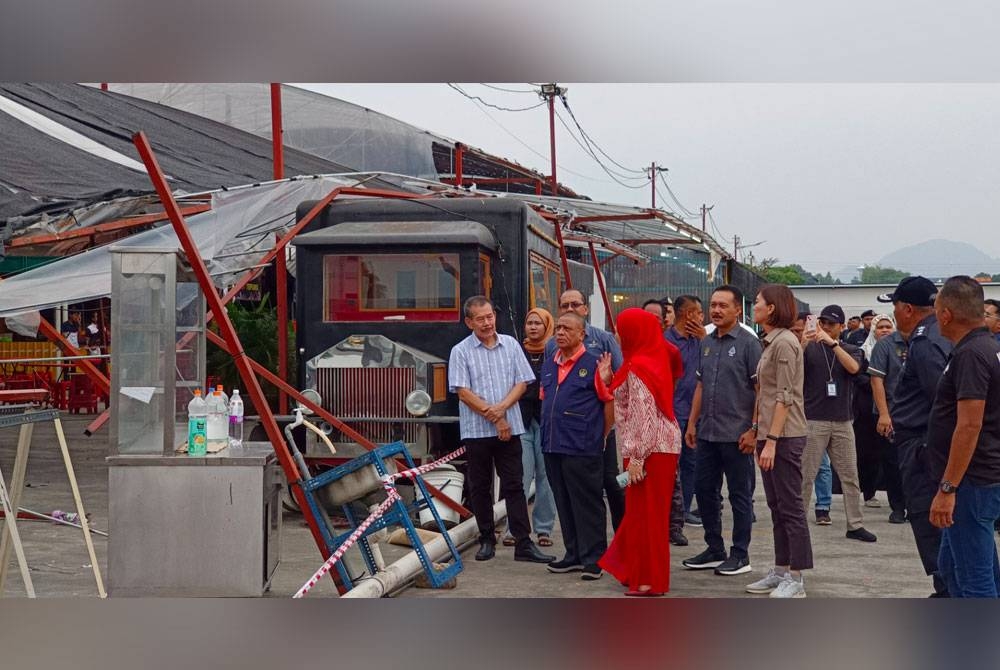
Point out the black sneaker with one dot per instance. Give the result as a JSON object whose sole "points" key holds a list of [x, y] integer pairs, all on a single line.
{"points": [[591, 572], [705, 560], [861, 534], [734, 565], [564, 566], [693, 518], [897, 517], [823, 517], [678, 539]]}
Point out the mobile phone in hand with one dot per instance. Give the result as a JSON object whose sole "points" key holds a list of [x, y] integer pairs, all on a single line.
{"points": [[811, 323]]}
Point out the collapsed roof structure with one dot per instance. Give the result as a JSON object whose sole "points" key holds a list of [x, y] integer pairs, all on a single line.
{"points": [[71, 181]]}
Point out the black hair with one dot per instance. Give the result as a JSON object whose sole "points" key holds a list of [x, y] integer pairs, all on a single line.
{"points": [[737, 294], [963, 295], [682, 300]]}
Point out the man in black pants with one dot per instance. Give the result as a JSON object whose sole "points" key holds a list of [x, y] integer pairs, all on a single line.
{"points": [[721, 411], [926, 358], [598, 341], [489, 373], [573, 431]]}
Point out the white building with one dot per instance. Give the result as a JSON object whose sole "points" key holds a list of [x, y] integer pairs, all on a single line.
{"points": [[856, 298]]}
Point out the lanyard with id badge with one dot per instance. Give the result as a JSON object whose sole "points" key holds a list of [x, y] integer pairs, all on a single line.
{"points": [[831, 386]]}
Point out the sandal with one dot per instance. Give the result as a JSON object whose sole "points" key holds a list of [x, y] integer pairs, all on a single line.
{"points": [[544, 540], [509, 542], [647, 593]]}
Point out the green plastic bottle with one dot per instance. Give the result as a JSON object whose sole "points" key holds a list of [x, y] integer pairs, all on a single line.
{"points": [[197, 425]]}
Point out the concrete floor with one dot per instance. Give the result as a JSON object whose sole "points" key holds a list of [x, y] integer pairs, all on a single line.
{"points": [[60, 565]]}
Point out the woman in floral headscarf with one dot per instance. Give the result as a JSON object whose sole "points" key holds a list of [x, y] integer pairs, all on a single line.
{"points": [[650, 443]]}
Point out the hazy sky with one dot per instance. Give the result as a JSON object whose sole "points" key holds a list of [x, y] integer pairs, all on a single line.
{"points": [[827, 175]]}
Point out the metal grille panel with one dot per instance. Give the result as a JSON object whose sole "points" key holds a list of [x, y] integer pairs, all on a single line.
{"points": [[379, 393]]}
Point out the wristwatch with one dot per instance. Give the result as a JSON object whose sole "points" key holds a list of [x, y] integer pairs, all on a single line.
{"points": [[947, 487], [836, 343]]}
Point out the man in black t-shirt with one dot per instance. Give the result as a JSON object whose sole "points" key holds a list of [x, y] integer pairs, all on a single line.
{"points": [[963, 444], [830, 369]]}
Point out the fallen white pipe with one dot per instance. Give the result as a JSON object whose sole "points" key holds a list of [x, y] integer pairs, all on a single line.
{"points": [[405, 569]]}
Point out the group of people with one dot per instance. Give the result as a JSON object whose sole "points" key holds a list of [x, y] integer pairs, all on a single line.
{"points": [[689, 406], [91, 337]]}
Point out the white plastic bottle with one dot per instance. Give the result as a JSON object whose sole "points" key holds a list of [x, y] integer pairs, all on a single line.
{"points": [[197, 425], [218, 420], [236, 421], [225, 398]]}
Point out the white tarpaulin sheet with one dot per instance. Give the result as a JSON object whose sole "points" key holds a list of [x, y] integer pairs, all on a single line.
{"points": [[233, 236]]}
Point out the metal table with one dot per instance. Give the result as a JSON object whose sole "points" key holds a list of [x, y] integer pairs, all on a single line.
{"points": [[188, 526]]}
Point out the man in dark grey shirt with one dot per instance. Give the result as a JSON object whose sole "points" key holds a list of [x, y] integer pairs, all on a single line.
{"points": [[721, 411]]}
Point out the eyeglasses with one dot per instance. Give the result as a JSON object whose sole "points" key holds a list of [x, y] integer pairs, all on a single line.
{"points": [[987, 315], [570, 305]]}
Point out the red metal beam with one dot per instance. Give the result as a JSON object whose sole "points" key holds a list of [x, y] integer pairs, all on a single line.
{"points": [[228, 332], [53, 335], [459, 153], [334, 421], [109, 227], [610, 258], [277, 133], [281, 288], [609, 317]]}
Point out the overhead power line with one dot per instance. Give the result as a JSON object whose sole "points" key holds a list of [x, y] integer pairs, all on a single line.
{"points": [[594, 144], [508, 90], [617, 177], [673, 197], [476, 98]]}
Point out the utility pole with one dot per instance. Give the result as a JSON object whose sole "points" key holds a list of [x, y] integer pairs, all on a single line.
{"points": [[704, 212], [550, 92], [653, 171], [736, 246]]}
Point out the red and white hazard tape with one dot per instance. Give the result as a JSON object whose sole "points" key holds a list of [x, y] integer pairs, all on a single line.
{"points": [[392, 497]]}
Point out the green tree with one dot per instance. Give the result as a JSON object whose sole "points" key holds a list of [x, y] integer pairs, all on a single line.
{"points": [[876, 274], [257, 327]]}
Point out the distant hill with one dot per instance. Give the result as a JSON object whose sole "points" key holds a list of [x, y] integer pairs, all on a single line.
{"points": [[936, 259], [941, 258]]}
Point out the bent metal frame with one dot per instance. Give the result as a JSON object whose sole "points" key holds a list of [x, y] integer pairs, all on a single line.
{"points": [[229, 341]]}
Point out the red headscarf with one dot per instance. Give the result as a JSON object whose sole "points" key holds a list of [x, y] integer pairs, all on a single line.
{"points": [[646, 355]]}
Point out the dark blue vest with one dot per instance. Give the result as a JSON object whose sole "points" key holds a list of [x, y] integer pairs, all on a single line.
{"points": [[572, 414]]}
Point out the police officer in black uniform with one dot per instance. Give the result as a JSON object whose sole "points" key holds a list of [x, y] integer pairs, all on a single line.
{"points": [[858, 337], [926, 357]]}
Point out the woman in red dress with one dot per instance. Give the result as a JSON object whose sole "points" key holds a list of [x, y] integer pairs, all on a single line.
{"points": [[650, 443]]}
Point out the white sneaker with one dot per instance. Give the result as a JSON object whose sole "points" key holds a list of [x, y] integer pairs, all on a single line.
{"points": [[766, 585], [873, 502], [790, 588]]}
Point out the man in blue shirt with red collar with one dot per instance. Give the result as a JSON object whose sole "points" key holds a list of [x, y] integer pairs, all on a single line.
{"points": [[574, 426], [598, 342]]}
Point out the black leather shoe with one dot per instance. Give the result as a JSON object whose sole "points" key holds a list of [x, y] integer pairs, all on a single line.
{"points": [[487, 550], [529, 552]]}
